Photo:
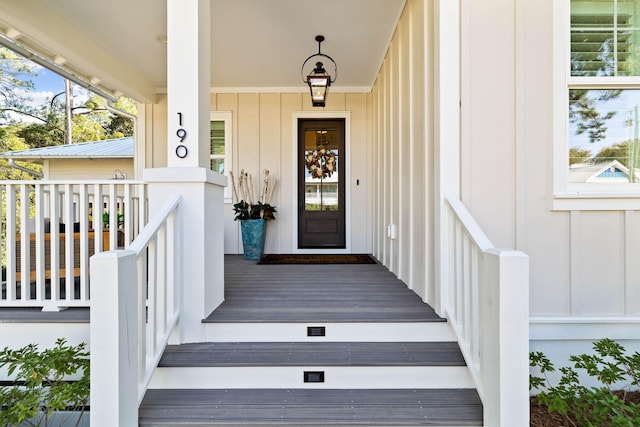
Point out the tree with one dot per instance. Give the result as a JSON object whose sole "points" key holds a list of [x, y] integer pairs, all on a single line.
{"points": [[9, 141], [579, 155], [15, 73], [584, 113], [619, 152]]}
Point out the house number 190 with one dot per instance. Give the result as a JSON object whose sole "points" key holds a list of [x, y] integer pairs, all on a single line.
{"points": [[181, 150]]}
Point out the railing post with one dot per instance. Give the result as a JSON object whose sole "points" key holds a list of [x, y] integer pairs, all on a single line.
{"points": [[114, 339], [201, 260], [504, 329]]}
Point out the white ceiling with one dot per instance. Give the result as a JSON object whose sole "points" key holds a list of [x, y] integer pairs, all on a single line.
{"points": [[255, 43]]}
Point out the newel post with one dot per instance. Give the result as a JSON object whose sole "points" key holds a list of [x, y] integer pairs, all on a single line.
{"points": [[114, 340], [504, 344]]}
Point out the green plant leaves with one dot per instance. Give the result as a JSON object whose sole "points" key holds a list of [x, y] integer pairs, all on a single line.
{"points": [[596, 406], [43, 382]]}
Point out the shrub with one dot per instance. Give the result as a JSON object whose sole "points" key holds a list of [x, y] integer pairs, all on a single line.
{"points": [[595, 406], [41, 384]]}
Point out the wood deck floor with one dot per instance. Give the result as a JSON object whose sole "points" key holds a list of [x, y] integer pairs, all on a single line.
{"points": [[316, 293], [313, 354], [236, 407]]}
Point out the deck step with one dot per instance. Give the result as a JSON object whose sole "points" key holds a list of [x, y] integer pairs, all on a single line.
{"points": [[356, 365], [335, 407], [313, 354]]}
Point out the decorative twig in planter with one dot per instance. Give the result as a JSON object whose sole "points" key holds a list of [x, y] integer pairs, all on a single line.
{"points": [[245, 206]]}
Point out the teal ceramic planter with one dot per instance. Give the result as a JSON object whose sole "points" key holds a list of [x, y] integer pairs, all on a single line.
{"points": [[253, 234]]}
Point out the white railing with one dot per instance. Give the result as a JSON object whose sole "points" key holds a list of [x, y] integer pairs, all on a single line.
{"points": [[50, 229], [486, 300], [135, 307]]}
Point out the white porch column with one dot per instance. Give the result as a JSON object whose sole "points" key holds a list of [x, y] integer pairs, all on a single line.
{"points": [[188, 82], [188, 173]]}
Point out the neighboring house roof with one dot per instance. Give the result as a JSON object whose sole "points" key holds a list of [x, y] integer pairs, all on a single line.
{"points": [[612, 171], [120, 148]]}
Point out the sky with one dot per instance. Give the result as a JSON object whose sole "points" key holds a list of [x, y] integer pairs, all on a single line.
{"points": [[618, 129], [47, 85]]}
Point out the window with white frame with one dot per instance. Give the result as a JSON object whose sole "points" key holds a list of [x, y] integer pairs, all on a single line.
{"points": [[597, 96], [221, 146]]}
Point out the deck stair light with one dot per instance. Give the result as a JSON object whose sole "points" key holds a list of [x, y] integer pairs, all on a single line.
{"points": [[319, 79]]}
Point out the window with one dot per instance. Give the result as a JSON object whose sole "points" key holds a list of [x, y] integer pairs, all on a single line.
{"points": [[221, 146], [597, 96]]}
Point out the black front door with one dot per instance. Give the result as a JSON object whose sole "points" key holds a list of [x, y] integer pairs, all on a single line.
{"points": [[321, 201]]}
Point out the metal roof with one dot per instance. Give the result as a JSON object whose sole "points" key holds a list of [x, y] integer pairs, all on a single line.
{"points": [[120, 148]]}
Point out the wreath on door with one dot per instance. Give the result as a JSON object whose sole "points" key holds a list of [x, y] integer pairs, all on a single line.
{"points": [[321, 163]]}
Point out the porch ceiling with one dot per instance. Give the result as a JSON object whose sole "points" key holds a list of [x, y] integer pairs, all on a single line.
{"points": [[255, 43]]}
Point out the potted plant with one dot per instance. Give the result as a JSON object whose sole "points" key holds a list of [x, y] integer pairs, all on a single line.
{"points": [[253, 214]]}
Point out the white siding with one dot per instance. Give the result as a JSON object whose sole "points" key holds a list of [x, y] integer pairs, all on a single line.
{"points": [[403, 151], [88, 169]]}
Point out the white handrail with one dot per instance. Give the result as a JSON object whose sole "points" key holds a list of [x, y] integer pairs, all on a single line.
{"points": [[137, 301], [486, 299], [468, 222]]}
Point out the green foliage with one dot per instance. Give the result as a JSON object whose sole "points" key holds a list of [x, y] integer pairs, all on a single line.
{"points": [[244, 210], [618, 151], [579, 155], [42, 384], [594, 406], [10, 141], [38, 135]]}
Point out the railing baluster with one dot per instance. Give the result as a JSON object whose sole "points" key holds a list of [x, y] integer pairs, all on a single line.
{"points": [[40, 241], [142, 207], [97, 210], [54, 242], [83, 214], [143, 262], [152, 297], [11, 242], [128, 215], [113, 217], [68, 242], [161, 279], [25, 245]]}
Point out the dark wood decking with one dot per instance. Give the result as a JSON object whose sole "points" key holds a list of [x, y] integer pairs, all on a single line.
{"points": [[316, 293], [260, 407], [36, 315], [324, 294], [314, 354]]}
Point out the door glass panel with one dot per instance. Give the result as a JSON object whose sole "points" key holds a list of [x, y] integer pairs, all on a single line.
{"points": [[321, 169]]}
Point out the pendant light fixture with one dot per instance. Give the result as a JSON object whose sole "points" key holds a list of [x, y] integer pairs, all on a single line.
{"points": [[318, 78]]}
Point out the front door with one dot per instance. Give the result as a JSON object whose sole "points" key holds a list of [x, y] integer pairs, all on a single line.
{"points": [[321, 201]]}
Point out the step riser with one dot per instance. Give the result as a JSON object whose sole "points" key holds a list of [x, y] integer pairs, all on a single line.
{"points": [[292, 377], [334, 332]]}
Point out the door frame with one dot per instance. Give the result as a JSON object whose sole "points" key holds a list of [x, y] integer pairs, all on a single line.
{"points": [[346, 115]]}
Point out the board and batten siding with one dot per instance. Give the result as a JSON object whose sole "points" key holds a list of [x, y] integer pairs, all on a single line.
{"points": [[584, 263], [584, 270], [263, 138], [402, 129]]}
